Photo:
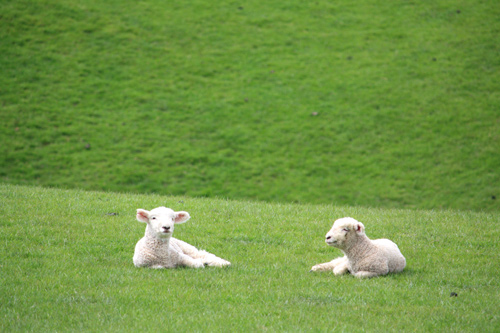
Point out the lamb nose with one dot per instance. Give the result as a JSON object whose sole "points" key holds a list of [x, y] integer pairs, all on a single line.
{"points": [[166, 228], [328, 237]]}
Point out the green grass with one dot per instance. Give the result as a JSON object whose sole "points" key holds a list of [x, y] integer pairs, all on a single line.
{"points": [[67, 266], [216, 100]]}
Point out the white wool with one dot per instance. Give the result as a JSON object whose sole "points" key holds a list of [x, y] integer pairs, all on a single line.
{"points": [[363, 257], [158, 249]]}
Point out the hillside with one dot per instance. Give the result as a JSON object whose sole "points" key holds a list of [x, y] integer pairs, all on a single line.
{"points": [[353, 103]]}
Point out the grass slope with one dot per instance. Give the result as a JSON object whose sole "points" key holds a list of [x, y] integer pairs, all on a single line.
{"points": [[366, 103], [67, 265]]}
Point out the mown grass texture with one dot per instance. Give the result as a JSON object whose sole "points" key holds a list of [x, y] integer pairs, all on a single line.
{"points": [[364, 103], [67, 265]]}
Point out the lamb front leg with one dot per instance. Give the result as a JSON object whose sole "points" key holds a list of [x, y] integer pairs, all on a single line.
{"points": [[328, 266], [341, 267]]}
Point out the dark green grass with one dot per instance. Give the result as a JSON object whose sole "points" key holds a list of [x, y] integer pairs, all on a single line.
{"points": [[207, 99], [67, 266]]}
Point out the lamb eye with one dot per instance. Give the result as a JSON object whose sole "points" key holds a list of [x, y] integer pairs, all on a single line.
{"points": [[153, 218], [345, 229]]}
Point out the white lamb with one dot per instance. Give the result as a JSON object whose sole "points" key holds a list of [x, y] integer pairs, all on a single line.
{"points": [[363, 257], [158, 249]]}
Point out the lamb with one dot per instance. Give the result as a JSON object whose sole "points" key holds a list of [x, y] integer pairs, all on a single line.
{"points": [[363, 257], [158, 249]]}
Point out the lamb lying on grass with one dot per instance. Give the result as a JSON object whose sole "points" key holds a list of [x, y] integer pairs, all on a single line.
{"points": [[363, 257], [158, 249]]}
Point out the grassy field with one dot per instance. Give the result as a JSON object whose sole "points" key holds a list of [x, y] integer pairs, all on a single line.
{"points": [[67, 266], [366, 103]]}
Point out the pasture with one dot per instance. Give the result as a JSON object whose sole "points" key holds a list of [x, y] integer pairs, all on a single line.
{"points": [[67, 266], [266, 121]]}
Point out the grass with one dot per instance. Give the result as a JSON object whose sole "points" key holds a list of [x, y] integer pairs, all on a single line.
{"points": [[362, 104], [67, 266]]}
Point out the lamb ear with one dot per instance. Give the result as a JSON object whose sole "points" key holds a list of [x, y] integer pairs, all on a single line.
{"points": [[359, 228], [142, 215], [181, 217]]}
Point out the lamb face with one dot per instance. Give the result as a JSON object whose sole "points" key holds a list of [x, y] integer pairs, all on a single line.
{"points": [[343, 231], [161, 221]]}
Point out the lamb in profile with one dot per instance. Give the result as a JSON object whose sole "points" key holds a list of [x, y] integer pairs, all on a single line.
{"points": [[158, 249], [363, 257]]}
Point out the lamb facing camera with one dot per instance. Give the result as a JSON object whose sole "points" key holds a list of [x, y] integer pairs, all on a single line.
{"points": [[158, 249], [363, 257]]}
